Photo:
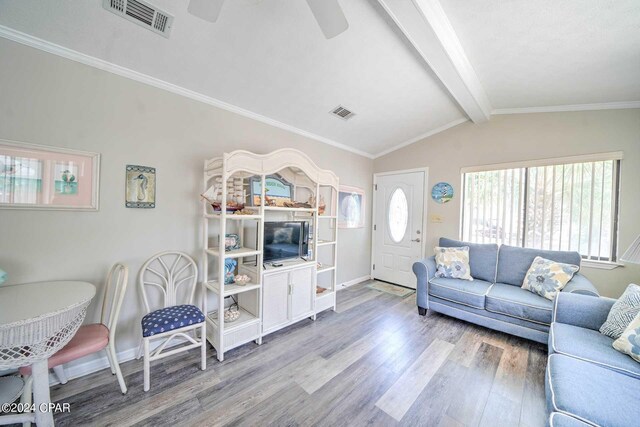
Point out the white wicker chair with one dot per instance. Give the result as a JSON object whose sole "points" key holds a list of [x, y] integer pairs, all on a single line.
{"points": [[174, 274]]}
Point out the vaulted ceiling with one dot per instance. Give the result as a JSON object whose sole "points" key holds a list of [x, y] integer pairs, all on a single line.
{"points": [[407, 69]]}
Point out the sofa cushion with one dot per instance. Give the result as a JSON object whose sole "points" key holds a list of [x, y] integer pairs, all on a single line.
{"points": [[517, 302], [591, 346], [465, 292], [482, 258], [558, 419], [514, 262], [591, 393]]}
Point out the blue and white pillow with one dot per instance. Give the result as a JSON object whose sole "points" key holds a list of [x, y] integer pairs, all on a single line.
{"points": [[453, 263], [546, 277], [622, 313], [629, 341]]}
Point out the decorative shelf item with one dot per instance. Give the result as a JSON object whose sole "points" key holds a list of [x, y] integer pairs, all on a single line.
{"points": [[242, 279], [231, 314]]}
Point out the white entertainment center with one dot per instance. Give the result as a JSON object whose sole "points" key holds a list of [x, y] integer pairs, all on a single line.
{"points": [[298, 202]]}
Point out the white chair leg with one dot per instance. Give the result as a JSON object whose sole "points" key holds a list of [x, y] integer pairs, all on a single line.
{"points": [[140, 349], [203, 348], [27, 395], [111, 364], [115, 367], [147, 385], [59, 371]]}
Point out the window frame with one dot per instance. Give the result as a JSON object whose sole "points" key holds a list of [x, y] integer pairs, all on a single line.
{"points": [[616, 156]]}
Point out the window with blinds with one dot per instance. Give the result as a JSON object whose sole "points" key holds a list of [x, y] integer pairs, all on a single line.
{"points": [[572, 206]]}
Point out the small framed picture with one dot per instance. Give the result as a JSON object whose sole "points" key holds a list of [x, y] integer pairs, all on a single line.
{"points": [[42, 177], [351, 207], [141, 187]]}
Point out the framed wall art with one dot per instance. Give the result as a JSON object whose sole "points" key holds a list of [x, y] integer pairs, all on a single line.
{"points": [[351, 207], [140, 191], [42, 177]]}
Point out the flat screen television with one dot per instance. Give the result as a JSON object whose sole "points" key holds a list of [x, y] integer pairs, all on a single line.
{"points": [[285, 240]]}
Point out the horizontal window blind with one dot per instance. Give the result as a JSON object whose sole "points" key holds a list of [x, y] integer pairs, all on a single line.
{"points": [[558, 207]]}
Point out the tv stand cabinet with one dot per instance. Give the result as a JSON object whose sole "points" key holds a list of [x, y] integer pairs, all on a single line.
{"points": [[288, 296]]}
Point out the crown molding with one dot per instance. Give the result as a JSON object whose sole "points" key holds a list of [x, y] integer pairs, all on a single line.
{"points": [[46, 46], [422, 136], [573, 107]]}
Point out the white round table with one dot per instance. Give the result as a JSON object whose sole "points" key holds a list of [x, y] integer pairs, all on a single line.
{"points": [[37, 320]]}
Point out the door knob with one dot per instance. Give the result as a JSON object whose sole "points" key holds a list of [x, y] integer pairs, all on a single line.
{"points": [[416, 240]]}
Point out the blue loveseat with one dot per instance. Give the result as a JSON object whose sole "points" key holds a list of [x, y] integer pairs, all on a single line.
{"points": [[587, 381], [494, 298]]}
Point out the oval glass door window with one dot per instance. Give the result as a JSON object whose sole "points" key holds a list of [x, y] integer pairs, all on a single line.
{"points": [[398, 215]]}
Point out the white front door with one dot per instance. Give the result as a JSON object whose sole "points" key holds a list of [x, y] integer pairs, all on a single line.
{"points": [[398, 221]]}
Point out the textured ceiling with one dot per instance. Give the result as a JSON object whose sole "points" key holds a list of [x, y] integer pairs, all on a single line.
{"points": [[268, 57], [549, 52]]}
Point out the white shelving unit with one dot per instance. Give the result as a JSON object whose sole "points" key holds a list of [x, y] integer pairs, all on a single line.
{"points": [[291, 295]]}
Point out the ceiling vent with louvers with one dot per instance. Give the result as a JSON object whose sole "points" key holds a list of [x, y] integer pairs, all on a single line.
{"points": [[342, 112], [142, 13]]}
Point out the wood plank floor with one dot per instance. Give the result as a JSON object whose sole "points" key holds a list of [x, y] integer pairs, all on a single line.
{"points": [[373, 362]]}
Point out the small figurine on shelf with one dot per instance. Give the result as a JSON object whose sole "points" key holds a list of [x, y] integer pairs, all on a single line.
{"points": [[230, 265], [242, 279], [321, 205]]}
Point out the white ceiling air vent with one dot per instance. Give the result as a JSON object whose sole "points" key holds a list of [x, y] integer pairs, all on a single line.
{"points": [[142, 13], [342, 112]]}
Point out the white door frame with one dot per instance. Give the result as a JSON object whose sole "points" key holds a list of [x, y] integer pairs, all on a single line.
{"points": [[423, 245]]}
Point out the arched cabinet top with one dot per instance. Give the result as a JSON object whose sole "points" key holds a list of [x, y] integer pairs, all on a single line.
{"points": [[266, 164]]}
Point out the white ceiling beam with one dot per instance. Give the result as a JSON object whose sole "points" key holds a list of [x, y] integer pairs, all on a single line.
{"points": [[427, 27]]}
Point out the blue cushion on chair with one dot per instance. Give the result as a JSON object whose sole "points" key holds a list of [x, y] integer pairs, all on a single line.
{"points": [[170, 318]]}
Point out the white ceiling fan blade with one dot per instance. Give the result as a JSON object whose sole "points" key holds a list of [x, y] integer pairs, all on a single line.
{"points": [[209, 10], [329, 15]]}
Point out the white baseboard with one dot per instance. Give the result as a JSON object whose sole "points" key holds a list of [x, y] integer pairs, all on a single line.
{"points": [[95, 365], [354, 282]]}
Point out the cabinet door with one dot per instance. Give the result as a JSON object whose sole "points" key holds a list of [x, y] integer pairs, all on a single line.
{"points": [[302, 292], [275, 300]]}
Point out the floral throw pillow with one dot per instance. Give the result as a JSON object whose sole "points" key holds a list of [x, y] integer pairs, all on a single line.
{"points": [[453, 263], [629, 341], [546, 278]]}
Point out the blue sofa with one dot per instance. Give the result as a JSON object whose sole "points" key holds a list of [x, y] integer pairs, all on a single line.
{"points": [[587, 381], [494, 298]]}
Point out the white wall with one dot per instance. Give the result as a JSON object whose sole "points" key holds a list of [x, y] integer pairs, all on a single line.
{"points": [[49, 100], [508, 138]]}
